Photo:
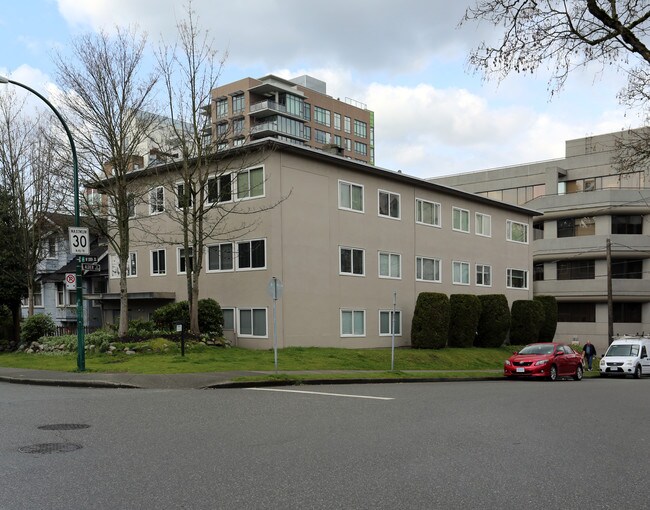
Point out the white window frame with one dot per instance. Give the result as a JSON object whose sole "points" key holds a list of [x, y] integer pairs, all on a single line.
{"points": [[509, 224], [179, 193], [220, 270], [179, 258], [248, 172], [351, 185], [114, 265], [509, 278], [398, 314], [461, 264], [390, 256], [156, 206], [483, 272], [461, 213], [60, 295], [151, 259], [218, 178], [252, 333], [353, 311], [486, 217], [399, 204], [437, 208], [25, 301], [236, 265], [419, 265], [51, 241], [363, 261]]}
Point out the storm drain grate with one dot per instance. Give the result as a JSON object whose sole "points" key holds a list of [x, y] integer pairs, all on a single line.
{"points": [[50, 448], [64, 426]]}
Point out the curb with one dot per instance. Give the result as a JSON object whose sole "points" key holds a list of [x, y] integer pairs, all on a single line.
{"points": [[60, 382]]}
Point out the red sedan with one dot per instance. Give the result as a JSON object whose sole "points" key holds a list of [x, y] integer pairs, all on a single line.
{"points": [[549, 360]]}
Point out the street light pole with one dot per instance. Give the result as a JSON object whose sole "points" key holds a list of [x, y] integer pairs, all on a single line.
{"points": [[81, 354]]}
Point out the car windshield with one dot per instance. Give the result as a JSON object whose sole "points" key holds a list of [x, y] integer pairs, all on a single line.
{"points": [[537, 349], [623, 350]]}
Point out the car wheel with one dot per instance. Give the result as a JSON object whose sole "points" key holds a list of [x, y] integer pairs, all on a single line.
{"points": [[637, 372], [578, 375], [552, 376]]}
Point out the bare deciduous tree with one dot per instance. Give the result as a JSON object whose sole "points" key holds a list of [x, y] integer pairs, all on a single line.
{"points": [[105, 95]]}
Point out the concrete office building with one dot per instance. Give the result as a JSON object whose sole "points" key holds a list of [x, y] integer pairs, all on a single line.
{"points": [[585, 202], [297, 111], [343, 237]]}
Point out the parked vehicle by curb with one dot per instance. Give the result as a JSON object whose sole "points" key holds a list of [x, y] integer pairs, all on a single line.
{"points": [[625, 356], [545, 360]]}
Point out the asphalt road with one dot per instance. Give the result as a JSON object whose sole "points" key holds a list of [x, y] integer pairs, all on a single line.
{"points": [[464, 445]]}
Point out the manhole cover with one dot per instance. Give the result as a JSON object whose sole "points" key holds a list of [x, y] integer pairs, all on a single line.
{"points": [[50, 448], [64, 426]]}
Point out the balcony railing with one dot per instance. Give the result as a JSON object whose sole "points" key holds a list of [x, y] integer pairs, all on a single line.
{"points": [[274, 127]]}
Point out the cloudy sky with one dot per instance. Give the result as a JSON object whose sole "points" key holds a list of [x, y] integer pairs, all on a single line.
{"points": [[406, 60]]}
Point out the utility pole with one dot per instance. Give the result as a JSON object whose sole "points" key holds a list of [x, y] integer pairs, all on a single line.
{"points": [[610, 302]]}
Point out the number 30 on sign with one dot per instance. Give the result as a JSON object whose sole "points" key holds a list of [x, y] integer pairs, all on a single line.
{"points": [[79, 241]]}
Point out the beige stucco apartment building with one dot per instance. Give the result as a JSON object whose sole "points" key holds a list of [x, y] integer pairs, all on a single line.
{"points": [[586, 202], [342, 236]]}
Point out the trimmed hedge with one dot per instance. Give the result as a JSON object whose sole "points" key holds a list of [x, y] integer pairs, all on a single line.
{"points": [[210, 316], [430, 325], [549, 326], [527, 318], [494, 322], [465, 311]]}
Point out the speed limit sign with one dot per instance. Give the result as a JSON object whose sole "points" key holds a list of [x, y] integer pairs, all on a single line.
{"points": [[79, 241]]}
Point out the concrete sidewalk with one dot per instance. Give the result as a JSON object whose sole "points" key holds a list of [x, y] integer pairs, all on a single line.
{"points": [[203, 380]]}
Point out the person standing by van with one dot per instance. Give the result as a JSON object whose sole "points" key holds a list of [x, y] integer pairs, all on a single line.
{"points": [[589, 351]]}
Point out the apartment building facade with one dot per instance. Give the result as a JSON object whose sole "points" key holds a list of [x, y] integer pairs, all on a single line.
{"points": [[343, 237], [297, 111], [586, 201]]}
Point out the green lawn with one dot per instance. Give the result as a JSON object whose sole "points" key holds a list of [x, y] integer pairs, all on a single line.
{"points": [[210, 359]]}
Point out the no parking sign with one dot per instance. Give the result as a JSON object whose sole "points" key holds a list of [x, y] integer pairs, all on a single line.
{"points": [[70, 281]]}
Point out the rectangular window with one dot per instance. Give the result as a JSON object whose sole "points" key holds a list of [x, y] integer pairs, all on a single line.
{"points": [[427, 270], [114, 265], [516, 232], [51, 248], [389, 204], [222, 108], [348, 124], [220, 189], [220, 257], [158, 263], [627, 312], [60, 294], [576, 312], [228, 319], [37, 293], [483, 224], [222, 129], [516, 278], [183, 196], [460, 273], [251, 254], [460, 219], [360, 129], [538, 272], [307, 112], [321, 116], [348, 144], [322, 136], [483, 275], [389, 322], [338, 141], [353, 323], [252, 322], [237, 127], [350, 196], [575, 269], [538, 231], [183, 263], [351, 261], [250, 183], [572, 227], [130, 204], [157, 200], [627, 224], [427, 213], [390, 265], [238, 104], [627, 269], [337, 121], [361, 148]]}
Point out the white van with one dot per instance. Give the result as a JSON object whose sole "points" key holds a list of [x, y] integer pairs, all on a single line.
{"points": [[627, 356]]}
